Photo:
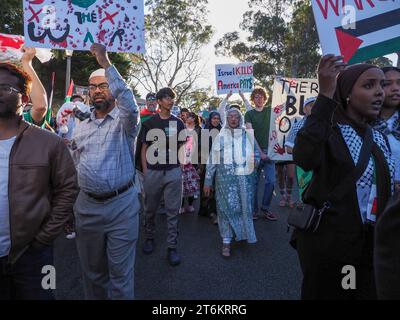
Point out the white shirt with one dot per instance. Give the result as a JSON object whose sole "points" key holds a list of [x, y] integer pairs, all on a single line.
{"points": [[5, 237]]}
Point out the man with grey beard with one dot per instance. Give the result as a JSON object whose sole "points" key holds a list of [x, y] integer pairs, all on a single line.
{"points": [[107, 207]]}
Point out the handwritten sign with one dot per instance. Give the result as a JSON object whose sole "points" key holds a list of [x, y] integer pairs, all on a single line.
{"points": [[358, 29], [234, 77], [287, 108], [76, 24]]}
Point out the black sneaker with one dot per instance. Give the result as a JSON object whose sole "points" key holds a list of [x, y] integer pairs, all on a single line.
{"points": [[173, 257], [148, 246]]}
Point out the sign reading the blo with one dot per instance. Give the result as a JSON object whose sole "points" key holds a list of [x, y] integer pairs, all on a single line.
{"points": [[77, 24], [234, 77], [287, 108]]}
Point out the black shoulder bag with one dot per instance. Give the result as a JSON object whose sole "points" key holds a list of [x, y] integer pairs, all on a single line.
{"points": [[310, 217]]}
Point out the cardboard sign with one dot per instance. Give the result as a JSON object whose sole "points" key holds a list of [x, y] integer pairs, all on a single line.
{"points": [[287, 108], [234, 77], [77, 24], [358, 29]]}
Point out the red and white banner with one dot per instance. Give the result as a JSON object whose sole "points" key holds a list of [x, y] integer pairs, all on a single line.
{"points": [[10, 49]]}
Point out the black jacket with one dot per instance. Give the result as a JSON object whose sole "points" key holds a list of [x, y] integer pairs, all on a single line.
{"points": [[321, 148], [387, 252]]}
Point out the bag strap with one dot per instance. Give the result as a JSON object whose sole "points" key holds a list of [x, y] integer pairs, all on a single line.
{"points": [[365, 153]]}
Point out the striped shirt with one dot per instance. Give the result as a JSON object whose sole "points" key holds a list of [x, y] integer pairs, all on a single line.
{"points": [[103, 148]]}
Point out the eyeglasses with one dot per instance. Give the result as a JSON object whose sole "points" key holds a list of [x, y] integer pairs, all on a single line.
{"points": [[6, 89], [102, 86], [151, 99]]}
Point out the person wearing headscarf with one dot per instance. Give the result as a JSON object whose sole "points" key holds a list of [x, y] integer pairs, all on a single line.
{"points": [[230, 171], [213, 121], [387, 235], [207, 203], [337, 259], [225, 105], [387, 252], [389, 120]]}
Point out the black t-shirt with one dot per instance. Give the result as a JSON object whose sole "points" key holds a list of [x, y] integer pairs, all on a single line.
{"points": [[165, 158]]}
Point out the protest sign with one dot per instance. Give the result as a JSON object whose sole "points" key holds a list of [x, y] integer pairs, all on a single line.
{"points": [[358, 29], [287, 108], [234, 77], [77, 24], [10, 49]]}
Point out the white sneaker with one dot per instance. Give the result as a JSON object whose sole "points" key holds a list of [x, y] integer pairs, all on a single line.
{"points": [[71, 236]]}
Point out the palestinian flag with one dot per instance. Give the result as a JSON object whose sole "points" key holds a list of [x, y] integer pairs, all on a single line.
{"points": [[70, 91], [146, 114], [372, 37]]}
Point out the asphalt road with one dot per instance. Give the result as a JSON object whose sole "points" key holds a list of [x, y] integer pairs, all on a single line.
{"points": [[266, 270]]}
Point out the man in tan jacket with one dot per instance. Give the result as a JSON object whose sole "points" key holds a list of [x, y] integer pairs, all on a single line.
{"points": [[38, 187]]}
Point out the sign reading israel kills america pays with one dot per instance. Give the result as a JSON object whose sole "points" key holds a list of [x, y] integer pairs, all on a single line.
{"points": [[234, 77], [76, 24], [358, 29]]}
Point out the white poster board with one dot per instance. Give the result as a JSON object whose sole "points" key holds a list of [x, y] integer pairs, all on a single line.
{"points": [[358, 29], [234, 77], [288, 99], [76, 24]]}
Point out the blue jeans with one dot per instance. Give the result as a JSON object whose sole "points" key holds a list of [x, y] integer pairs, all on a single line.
{"points": [[23, 280], [267, 169]]}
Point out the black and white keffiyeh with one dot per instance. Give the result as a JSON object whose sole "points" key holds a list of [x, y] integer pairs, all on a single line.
{"points": [[354, 143], [382, 126], [365, 184]]}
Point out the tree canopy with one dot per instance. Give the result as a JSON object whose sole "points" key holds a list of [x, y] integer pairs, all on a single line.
{"points": [[282, 40], [176, 30]]}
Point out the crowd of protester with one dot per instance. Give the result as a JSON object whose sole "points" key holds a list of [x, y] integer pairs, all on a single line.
{"points": [[113, 162]]}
